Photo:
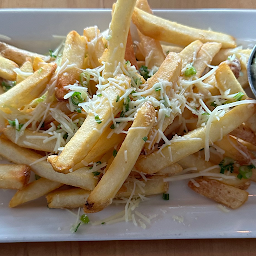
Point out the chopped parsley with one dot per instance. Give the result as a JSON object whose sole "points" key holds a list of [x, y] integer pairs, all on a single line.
{"points": [[158, 89], [13, 124], [227, 164], [128, 62], [78, 110], [213, 104], [7, 86], [99, 95], [245, 171], [114, 153], [144, 72], [65, 136], [190, 71], [96, 173], [77, 98], [145, 138], [51, 54], [85, 219], [97, 119], [165, 196], [117, 98], [238, 96], [112, 126]]}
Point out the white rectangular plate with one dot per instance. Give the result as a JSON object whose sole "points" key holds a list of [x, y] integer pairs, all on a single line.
{"points": [[33, 30]]}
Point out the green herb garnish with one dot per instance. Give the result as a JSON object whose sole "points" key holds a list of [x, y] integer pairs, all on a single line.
{"points": [[245, 171], [165, 196], [77, 98], [117, 98], [238, 96], [144, 72], [145, 138], [112, 126], [190, 71], [97, 119], [51, 54], [85, 219], [114, 153], [158, 89], [227, 164]]}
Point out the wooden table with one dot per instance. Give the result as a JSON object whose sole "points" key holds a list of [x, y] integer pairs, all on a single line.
{"points": [[235, 247]]}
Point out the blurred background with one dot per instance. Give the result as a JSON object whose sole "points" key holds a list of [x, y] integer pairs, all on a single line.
{"points": [[155, 4]]}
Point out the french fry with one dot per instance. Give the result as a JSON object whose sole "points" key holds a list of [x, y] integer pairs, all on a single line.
{"points": [[80, 178], [189, 53], [195, 160], [124, 161], [152, 50], [168, 71], [73, 53], [129, 51], [76, 197], [38, 63], [226, 80], [180, 149], [29, 89], [102, 146], [172, 32], [88, 134], [68, 198], [13, 176], [171, 48], [245, 133], [234, 149], [19, 56], [31, 139], [117, 42], [33, 191], [204, 56], [229, 196], [171, 170], [95, 42], [27, 67], [7, 69]]}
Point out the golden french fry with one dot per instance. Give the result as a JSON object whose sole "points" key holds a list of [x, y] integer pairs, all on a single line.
{"points": [[195, 140], [129, 51], [95, 41], [234, 149], [68, 198], [80, 178], [88, 134], [246, 134], [118, 35], [196, 161], [31, 139], [168, 71], [226, 80], [26, 67], [171, 170], [17, 55], [29, 89], [189, 53], [124, 161], [7, 69], [230, 196], [76, 197], [33, 191], [14, 176], [204, 56], [152, 50], [171, 48], [73, 53], [102, 146], [172, 32], [38, 63]]}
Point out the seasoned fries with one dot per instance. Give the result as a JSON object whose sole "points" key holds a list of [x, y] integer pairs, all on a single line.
{"points": [[112, 116]]}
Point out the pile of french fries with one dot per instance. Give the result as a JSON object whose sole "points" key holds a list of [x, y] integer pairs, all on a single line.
{"points": [[103, 114]]}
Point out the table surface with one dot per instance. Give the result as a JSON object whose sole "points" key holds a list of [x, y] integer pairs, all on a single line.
{"points": [[235, 247]]}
